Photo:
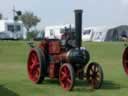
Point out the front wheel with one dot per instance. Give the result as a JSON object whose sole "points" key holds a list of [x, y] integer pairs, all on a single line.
{"points": [[95, 75], [67, 77]]}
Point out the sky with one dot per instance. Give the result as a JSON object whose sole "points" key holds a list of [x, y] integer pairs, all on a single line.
{"points": [[56, 12]]}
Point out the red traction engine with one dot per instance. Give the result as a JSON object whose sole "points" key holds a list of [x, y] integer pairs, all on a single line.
{"points": [[64, 59]]}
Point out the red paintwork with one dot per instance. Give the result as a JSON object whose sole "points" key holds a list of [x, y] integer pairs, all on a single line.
{"points": [[33, 66], [125, 60], [65, 78], [52, 70], [54, 47], [43, 45], [57, 55]]}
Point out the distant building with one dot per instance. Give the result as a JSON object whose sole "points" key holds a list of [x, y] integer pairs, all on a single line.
{"points": [[12, 30]]}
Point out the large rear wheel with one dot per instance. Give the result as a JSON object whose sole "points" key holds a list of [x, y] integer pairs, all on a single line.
{"points": [[125, 60], [36, 65], [67, 77], [94, 75]]}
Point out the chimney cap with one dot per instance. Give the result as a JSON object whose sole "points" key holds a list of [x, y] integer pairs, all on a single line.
{"points": [[78, 10]]}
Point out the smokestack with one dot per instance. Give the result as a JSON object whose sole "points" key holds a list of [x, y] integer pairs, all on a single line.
{"points": [[78, 26]]}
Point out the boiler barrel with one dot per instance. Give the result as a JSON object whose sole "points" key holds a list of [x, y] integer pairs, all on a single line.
{"points": [[78, 27]]}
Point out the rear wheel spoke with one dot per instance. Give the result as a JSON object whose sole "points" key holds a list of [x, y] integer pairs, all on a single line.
{"points": [[126, 61], [91, 70], [95, 68], [94, 82], [63, 77]]}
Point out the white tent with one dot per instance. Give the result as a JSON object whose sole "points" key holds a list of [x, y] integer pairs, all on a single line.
{"points": [[117, 33]]}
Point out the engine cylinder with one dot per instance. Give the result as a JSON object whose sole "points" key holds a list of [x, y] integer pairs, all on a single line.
{"points": [[76, 56]]}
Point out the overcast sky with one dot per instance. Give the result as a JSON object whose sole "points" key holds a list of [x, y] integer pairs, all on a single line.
{"points": [[52, 12]]}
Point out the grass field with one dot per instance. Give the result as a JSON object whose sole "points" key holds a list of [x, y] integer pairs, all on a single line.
{"points": [[14, 80]]}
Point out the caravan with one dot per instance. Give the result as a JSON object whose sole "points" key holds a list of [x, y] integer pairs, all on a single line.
{"points": [[96, 34], [87, 34], [10, 29]]}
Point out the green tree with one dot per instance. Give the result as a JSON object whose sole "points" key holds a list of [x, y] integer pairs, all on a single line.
{"points": [[29, 20]]}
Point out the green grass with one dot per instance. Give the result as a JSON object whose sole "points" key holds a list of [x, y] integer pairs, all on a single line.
{"points": [[14, 80]]}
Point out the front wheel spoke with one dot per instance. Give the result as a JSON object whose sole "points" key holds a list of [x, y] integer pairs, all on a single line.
{"points": [[94, 82], [98, 79], [98, 75], [91, 70], [95, 68], [90, 78], [69, 80], [97, 71], [90, 75]]}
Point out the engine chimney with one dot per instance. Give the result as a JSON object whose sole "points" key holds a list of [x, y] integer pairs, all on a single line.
{"points": [[78, 27]]}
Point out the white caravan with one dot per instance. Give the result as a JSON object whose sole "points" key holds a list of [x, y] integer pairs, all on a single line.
{"points": [[12, 30], [56, 31], [95, 34], [87, 34]]}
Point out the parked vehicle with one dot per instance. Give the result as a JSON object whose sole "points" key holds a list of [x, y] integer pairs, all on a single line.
{"points": [[10, 29]]}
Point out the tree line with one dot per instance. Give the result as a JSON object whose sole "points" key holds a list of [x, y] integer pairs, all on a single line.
{"points": [[28, 18]]}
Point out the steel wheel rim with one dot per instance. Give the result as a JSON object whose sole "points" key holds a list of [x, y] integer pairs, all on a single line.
{"points": [[94, 76], [33, 66], [65, 78], [125, 60]]}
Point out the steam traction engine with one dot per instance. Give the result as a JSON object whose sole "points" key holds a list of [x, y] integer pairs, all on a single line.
{"points": [[64, 59]]}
